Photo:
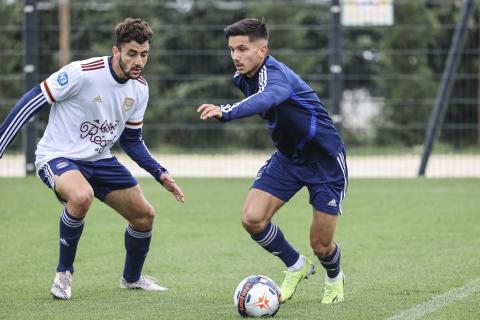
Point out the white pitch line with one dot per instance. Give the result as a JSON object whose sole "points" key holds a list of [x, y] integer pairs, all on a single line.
{"points": [[439, 301]]}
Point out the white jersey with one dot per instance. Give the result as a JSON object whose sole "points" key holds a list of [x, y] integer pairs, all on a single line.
{"points": [[90, 109]]}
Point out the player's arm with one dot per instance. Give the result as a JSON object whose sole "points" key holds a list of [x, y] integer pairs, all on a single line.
{"points": [[25, 108], [61, 85], [273, 89], [132, 143]]}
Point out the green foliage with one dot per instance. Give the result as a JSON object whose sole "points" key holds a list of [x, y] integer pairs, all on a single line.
{"points": [[411, 97], [417, 80], [11, 66], [189, 63]]}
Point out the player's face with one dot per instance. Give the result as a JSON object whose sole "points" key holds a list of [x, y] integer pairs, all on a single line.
{"points": [[131, 58], [247, 55]]}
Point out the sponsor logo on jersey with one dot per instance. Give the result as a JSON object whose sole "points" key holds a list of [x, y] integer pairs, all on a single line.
{"points": [[99, 133], [128, 104], [62, 79], [97, 99]]}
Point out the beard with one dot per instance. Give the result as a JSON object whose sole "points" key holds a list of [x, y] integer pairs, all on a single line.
{"points": [[126, 72]]}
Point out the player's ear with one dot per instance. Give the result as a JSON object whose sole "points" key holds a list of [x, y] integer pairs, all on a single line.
{"points": [[115, 51], [264, 50]]}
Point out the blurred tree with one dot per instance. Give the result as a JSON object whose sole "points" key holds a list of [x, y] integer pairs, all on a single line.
{"points": [[189, 63], [407, 80]]}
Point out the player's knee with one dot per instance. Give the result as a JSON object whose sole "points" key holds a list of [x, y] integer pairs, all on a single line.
{"points": [[149, 215], [143, 220], [251, 221], [82, 199]]}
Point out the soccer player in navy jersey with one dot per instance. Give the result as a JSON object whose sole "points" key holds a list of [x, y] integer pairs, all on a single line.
{"points": [[310, 152], [94, 103]]}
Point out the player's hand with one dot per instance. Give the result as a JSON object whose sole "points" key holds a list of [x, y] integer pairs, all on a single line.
{"points": [[209, 111], [170, 184]]}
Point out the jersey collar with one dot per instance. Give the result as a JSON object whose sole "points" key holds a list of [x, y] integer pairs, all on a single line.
{"points": [[114, 75], [255, 76]]}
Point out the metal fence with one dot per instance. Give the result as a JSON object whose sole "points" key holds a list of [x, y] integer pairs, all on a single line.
{"points": [[390, 78]]}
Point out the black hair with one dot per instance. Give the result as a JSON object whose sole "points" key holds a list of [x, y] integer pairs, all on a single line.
{"points": [[253, 28]]}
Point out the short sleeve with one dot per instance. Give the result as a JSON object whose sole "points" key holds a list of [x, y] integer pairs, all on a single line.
{"points": [[63, 84]]}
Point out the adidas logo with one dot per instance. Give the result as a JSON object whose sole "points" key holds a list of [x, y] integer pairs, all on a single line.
{"points": [[64, 242], [332, 203], [98, 99]]}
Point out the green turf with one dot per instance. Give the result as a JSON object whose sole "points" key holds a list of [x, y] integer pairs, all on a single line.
{"points": [[403, 242]]}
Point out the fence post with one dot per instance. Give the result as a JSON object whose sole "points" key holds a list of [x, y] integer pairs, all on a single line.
{"points": [[335, 63], [30, 71], [446, 84]]}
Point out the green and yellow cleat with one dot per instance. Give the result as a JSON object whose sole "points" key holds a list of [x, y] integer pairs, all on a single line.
{"points": [[293, 278], [333, 291]]}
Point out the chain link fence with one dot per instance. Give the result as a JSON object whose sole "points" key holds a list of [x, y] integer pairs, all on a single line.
{"points": [[390, 77]]}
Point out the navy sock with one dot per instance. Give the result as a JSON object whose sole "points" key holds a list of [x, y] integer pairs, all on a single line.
{"points": [[332, 262], [70, 231], [137, 244], [272, 240]]}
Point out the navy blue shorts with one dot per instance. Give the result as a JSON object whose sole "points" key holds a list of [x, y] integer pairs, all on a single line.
{"points": [[326, 180], [103, 175]]}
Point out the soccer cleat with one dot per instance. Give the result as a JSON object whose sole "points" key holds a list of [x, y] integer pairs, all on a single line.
{"points": [[333, 290], [293, 278], [62, 285], [145, 283]]}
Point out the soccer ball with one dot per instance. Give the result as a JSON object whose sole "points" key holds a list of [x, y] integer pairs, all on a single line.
{"points": [[257, 296]]}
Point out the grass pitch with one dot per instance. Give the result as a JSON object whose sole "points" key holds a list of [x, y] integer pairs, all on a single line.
{"points": [[404, 242]]}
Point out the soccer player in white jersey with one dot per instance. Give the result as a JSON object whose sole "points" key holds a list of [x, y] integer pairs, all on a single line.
{"points": [[94, 103]]}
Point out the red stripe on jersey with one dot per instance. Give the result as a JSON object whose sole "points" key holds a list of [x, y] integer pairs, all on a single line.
{"points": [[134, 123], [98, 64], [45, 84], [93, 68], [142, 80], [92, 63]]}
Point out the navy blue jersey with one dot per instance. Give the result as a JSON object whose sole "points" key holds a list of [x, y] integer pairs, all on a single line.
{"points": [[301, 128]]}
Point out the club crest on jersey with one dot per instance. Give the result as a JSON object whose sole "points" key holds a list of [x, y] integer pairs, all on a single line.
{"points": [[128, 104], [62, 79]]}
